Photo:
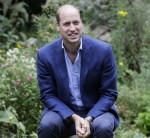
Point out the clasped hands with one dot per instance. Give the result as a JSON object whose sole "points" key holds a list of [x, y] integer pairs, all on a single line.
{"points": [[82, 126]]}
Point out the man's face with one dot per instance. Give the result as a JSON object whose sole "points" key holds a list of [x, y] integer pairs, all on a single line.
{"points": [[70, 26]]}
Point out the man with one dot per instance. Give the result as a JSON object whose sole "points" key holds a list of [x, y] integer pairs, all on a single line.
{"points": [[77, 80]]}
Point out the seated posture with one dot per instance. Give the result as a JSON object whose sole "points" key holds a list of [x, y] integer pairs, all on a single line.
{"points": [[77, 80]]}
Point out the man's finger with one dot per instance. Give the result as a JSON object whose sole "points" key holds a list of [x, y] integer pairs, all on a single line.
{"points": [[80, 130]]}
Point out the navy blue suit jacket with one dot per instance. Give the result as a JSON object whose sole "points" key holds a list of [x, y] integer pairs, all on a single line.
{"points": [[97, 78]]}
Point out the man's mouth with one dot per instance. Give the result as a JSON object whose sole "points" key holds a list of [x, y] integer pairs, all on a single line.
{"points": [[73, 35]]}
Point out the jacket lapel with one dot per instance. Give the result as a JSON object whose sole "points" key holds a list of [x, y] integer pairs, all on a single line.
{"points": [[61, 66], [86, 58]]}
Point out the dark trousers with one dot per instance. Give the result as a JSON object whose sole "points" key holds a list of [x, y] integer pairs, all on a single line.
{"points": [[52, 126]]}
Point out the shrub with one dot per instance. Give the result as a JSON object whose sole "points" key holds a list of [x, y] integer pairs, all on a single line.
{"points": [[143, 122], [126, 131], [133, 101], [45, 23], [19, 87], [128, 38], [99, 12], [9, 122], [16, 12], [13, 19], [8, 37]]}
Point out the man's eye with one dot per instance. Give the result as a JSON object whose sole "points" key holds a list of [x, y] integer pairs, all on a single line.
{"points": [[76, 23], [66, 24]]}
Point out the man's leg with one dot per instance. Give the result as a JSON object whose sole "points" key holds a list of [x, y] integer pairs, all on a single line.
{"points": [[52, 126], [103, 126]]}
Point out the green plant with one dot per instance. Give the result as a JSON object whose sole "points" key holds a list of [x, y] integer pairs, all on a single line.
{"points": [[97, 12], [133, 102], [127, 38], [46, 31], [51, 6], [13, 19], [19, 87], [7, 35], [16, 12], [45, 23], [8, 118], [129, 134], [143, 122]]}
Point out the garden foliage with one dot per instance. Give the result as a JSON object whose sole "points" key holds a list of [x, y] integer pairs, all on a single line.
{"points": [[13, 22], [129, 26], [19, 98]]}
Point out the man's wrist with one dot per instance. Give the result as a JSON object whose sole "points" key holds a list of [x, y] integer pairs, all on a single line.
{"points": [[89, 119], [74, 117]]}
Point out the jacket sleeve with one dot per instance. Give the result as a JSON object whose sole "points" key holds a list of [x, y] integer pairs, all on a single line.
{"points": [[108, 87], [48, 88]]}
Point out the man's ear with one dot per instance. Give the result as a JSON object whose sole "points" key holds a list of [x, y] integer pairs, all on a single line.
{"points": [[57, 26]]}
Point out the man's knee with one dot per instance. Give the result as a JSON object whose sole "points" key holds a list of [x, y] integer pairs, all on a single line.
{"points": [[47, 125], [50, 125], [102, 130], [103, 126]]}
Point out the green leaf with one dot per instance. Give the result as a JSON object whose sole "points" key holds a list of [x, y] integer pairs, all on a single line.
{"points": [[13, 99], [21, 126], [3, 95], [5, 117]]}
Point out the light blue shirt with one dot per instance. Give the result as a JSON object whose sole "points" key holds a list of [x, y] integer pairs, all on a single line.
{"points": [[74, 78]]}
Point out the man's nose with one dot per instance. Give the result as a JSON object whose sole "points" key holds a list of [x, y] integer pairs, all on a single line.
{"points": [[72, 27]]}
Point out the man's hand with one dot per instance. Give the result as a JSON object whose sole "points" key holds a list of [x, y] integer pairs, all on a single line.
{"points": [[82, 126], [89, 119]]}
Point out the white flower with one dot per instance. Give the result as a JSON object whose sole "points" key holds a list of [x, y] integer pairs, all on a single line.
{"points": [[9, 52], [15, 57], [16, 50], [33, 66], [3, 76], [32, 60], [22, 57]]}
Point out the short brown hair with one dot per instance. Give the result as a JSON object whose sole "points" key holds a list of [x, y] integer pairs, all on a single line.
{"points": [[62, 7]]}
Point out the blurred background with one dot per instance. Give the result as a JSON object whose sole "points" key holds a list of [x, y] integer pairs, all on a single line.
{"points": [[27, 25]]}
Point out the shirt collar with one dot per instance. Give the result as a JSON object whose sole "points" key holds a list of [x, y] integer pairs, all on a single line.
{"points": [[79, 47]]}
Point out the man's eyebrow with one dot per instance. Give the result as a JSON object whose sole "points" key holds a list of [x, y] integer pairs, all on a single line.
{"points": [[66, 22]]}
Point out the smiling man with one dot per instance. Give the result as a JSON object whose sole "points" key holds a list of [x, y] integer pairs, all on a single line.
{"points": [[77, 80]]}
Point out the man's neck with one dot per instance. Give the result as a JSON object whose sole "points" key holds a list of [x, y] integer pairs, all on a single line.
{"points": [[71, 48]]}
